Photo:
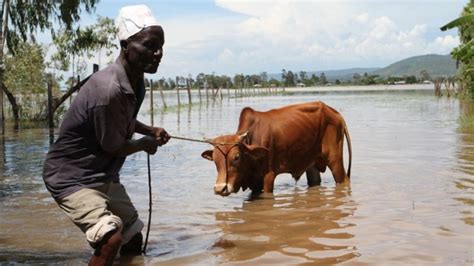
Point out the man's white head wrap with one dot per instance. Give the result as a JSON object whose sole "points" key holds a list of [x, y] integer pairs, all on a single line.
{"points": [[133, 19]]}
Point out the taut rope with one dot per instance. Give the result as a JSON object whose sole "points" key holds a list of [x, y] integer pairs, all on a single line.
{"points": [[201, 141], [194, 140]]}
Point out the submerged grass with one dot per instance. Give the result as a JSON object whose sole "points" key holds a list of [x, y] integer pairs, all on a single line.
{"points": [[466, 121], [173, 108]]}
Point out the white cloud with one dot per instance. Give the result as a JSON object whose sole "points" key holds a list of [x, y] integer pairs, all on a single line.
{"points": [[226, 57], [447, 42], [384, 28], [362, 18], [266, 35]]}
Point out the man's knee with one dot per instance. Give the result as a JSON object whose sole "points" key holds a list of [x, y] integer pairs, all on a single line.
{"points": [[103, 226]]}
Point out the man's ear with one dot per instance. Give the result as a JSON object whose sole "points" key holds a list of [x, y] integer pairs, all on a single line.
{"points": [[256, 152], [207, 155]]}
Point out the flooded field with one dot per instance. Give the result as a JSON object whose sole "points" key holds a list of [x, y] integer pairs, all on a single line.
{"points": [[410, 200]]}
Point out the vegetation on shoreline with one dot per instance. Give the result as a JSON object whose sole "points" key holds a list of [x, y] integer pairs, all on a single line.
{"points": [[466, 121], [464, 53]]}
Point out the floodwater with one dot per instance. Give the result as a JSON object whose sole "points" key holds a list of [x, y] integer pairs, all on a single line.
{"points": [[410, 200]]}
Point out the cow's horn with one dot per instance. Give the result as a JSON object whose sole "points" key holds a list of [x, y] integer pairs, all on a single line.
{"points": [[243, 136]]}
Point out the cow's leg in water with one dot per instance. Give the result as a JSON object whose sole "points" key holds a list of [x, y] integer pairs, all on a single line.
{"points": [[268, 182], [313, 176], [337, 169]]}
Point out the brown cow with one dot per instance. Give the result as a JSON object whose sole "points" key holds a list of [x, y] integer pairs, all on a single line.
{"points": [[294, 139]]}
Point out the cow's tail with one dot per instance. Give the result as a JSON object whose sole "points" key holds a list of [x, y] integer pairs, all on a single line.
{"points": [[349, 146]]}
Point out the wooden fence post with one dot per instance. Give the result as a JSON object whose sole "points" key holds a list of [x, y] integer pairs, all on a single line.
{"points": [[2, 110], [199, 91], [437, 85], [162, 96], [188, 85], [50, 104], [177, 90], [207, 91]]}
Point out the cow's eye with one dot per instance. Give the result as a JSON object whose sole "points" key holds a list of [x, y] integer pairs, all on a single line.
{"points": [[236, 159]]}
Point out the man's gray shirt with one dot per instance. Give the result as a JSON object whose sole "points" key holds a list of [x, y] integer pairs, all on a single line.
{"points": [[99, 121]]}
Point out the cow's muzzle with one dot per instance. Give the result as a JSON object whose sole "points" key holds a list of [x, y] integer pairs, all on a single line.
{"points": [[223, 189]]}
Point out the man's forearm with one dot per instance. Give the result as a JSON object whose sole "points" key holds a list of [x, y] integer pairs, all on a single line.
{"points": [[129, 147], [143, 129]]}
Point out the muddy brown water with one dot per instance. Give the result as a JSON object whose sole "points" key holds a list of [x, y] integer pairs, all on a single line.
{"points": [[410, 200]]}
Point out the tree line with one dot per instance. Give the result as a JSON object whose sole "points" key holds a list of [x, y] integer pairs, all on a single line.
{"points": [[288, 79]]}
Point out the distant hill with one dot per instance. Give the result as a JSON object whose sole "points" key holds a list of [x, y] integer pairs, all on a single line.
{"points": [[435, 65], [344, 74]]}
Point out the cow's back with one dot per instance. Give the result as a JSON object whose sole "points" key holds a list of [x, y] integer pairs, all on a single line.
{"points": [[293, 134]]}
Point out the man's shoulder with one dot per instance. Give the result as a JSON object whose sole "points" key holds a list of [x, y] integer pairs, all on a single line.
{"points": [[103, 85], [107, 77]]}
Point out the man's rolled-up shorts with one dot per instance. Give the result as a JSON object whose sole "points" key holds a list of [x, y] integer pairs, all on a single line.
{"points": [[101, 210]]}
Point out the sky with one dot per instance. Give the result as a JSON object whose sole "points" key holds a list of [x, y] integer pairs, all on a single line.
{"points": [[227, 37]]}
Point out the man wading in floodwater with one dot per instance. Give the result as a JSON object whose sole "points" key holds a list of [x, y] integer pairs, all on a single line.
{"points": [[81, 170]]}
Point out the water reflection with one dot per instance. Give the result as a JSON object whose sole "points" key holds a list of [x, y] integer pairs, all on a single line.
{"points": [[21, 163], [2, 152], [297, 226], [465, 154]]}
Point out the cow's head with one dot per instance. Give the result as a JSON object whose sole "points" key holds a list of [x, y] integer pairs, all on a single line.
{"points": [[236, 163]]}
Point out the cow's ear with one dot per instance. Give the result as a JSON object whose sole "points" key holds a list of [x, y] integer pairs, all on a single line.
{"points": [[256, 152], [207, 155]]}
